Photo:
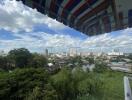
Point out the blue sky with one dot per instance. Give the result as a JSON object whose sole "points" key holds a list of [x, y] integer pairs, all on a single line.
{"points": [[21, 26]]}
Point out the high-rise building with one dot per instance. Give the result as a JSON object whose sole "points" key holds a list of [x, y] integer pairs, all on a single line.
{"points": [[46, 53], [73, 51]]}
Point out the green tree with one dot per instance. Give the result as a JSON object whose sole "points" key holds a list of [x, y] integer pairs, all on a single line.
{"points": [[76, 61], [38, 61], [3, 62], [18, 84], [90, 60], [20, 57]]}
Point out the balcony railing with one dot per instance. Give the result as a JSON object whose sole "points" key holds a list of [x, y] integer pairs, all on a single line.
{"points": [[127, 88]]}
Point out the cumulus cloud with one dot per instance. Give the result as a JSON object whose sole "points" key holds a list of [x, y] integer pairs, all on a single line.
{"points": [[39, 40], [20, 20], [35, 41], [120, 40], [16, 17]]}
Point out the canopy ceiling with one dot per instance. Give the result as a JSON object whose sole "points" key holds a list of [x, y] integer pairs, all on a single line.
{"points": [[91, 17]]}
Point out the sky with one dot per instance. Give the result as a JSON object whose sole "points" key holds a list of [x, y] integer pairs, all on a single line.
{"points": [[23, 27]]}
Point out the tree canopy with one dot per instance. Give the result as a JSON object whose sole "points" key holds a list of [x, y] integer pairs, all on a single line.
{"points": [[20, 57]]}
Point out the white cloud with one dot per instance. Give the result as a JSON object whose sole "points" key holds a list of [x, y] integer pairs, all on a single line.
{"points": [[39, 41], [16, 17], [121, 40]]}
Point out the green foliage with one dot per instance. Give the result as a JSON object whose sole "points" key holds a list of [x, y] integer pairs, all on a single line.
{"points": [[3, 62], [62, 82], [72, 84], [34, 83], [76, 61], [86, 83], [89, 86], [67, 84], [38, 61], [90, 60], [4, 86], [110, 87], [36, 94], [89, 97], [78, 74], [48, 93], [20, 82], [20, 57], [101, 67]]}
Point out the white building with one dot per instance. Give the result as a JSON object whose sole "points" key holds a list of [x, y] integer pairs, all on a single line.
{"points": [[113, 53], [73, 52]]}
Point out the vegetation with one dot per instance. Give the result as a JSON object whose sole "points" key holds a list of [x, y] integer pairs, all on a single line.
{"points": [[33, 82], [22, 58], [90, 60], [38, 61], [76, 61], [101, 67], [25, 84], [37, 84]]}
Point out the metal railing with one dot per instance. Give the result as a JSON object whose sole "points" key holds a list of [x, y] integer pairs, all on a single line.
{"points": [[127, 88]]}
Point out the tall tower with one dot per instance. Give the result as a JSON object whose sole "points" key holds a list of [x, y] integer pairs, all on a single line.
{"points": [[46, 52]]}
